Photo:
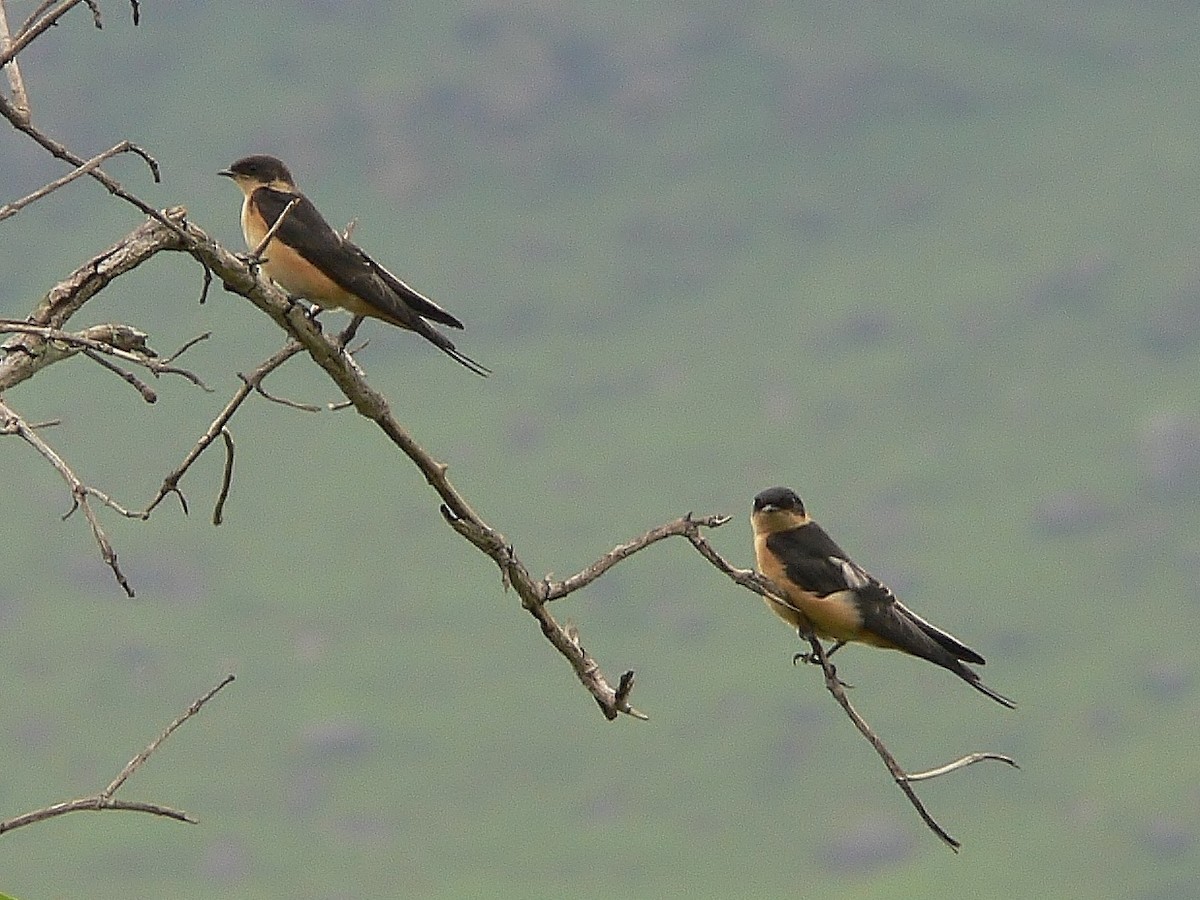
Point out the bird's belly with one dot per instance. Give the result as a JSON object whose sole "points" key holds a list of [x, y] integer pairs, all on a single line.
{"points": [[835, 616], [300, 277]]}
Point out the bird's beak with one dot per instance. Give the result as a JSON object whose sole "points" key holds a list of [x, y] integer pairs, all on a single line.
{"points": [[226, 173]]}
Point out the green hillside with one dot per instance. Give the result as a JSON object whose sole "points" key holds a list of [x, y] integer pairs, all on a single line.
{"points": [[930, 264]]}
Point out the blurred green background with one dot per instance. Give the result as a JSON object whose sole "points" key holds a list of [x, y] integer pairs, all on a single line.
{"points": [[932, 264]]}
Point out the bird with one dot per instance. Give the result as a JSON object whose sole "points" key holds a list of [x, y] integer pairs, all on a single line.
{"points": [[827, 594], [311, 260]]}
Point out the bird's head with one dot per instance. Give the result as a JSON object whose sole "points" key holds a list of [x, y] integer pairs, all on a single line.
{"points": [[778, 509], [252, 172]]}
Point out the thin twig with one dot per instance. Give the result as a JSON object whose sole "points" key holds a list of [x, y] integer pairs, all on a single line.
{"points": [[136, 763], [683, 526], [11, 209], [16, 84], [104, 799], [961, 763], [170, 484], [129, 378], [226, 478], [59, 150], [257, 255], [32, 29], [837, 689], [120, 341], [188, 345], [12, 423], [37, 12]]}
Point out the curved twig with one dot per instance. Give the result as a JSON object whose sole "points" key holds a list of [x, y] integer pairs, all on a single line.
{"points": [[11, 209]]}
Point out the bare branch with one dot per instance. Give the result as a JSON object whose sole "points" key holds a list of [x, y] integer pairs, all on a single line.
{"points": [[282, 401], [838, 690], [961, 763], [188, 345], [91, 804], [11, 209], [170, 484], [34, 26], [683, 526], [136, 763], [16, 84], [37, 12], [60, 151], [129, 378], [226, 478], [257, 254], [69, 295], [120, 341], [12, 423], [104, 799]]}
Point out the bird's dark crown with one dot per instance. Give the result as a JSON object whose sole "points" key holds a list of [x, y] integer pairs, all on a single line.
{"points": [[259, 168], [779, 498]]}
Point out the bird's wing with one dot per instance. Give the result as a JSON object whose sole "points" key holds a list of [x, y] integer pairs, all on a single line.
{"points": [[814, 562], [305, 230], [420, 304]]}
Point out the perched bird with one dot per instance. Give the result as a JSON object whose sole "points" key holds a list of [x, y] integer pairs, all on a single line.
{"points": [[831, 596], [311, 260]]}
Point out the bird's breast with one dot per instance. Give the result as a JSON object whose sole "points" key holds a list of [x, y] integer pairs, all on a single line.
{"points": [[296, 274]]}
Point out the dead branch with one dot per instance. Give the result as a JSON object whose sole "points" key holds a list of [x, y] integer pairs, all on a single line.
{"points": [[46, 14], [226, 478], [28, 355], [11, 209], [684, 526], [59, 150], [120, 341], [104, 799], [12, 423], [256, 255], [250, 382], [16, 84]]}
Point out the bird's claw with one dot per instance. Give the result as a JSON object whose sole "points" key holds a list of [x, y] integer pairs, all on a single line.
{"points": [[811, 658]]}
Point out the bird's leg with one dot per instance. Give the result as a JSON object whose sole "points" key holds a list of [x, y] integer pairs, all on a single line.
{"points": [[811, 658]]}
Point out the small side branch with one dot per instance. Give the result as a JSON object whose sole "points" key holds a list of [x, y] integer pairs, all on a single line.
{"points": [[838, 690], [118, 341], [11, 209], [257, 255], [250, 383], [104, 799], [61, 151], [16, 84], [12, 423], [683, 526]]}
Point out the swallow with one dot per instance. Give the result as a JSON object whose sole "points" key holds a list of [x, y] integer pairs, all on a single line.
{"points": [[311, 260], [827, 594]]}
